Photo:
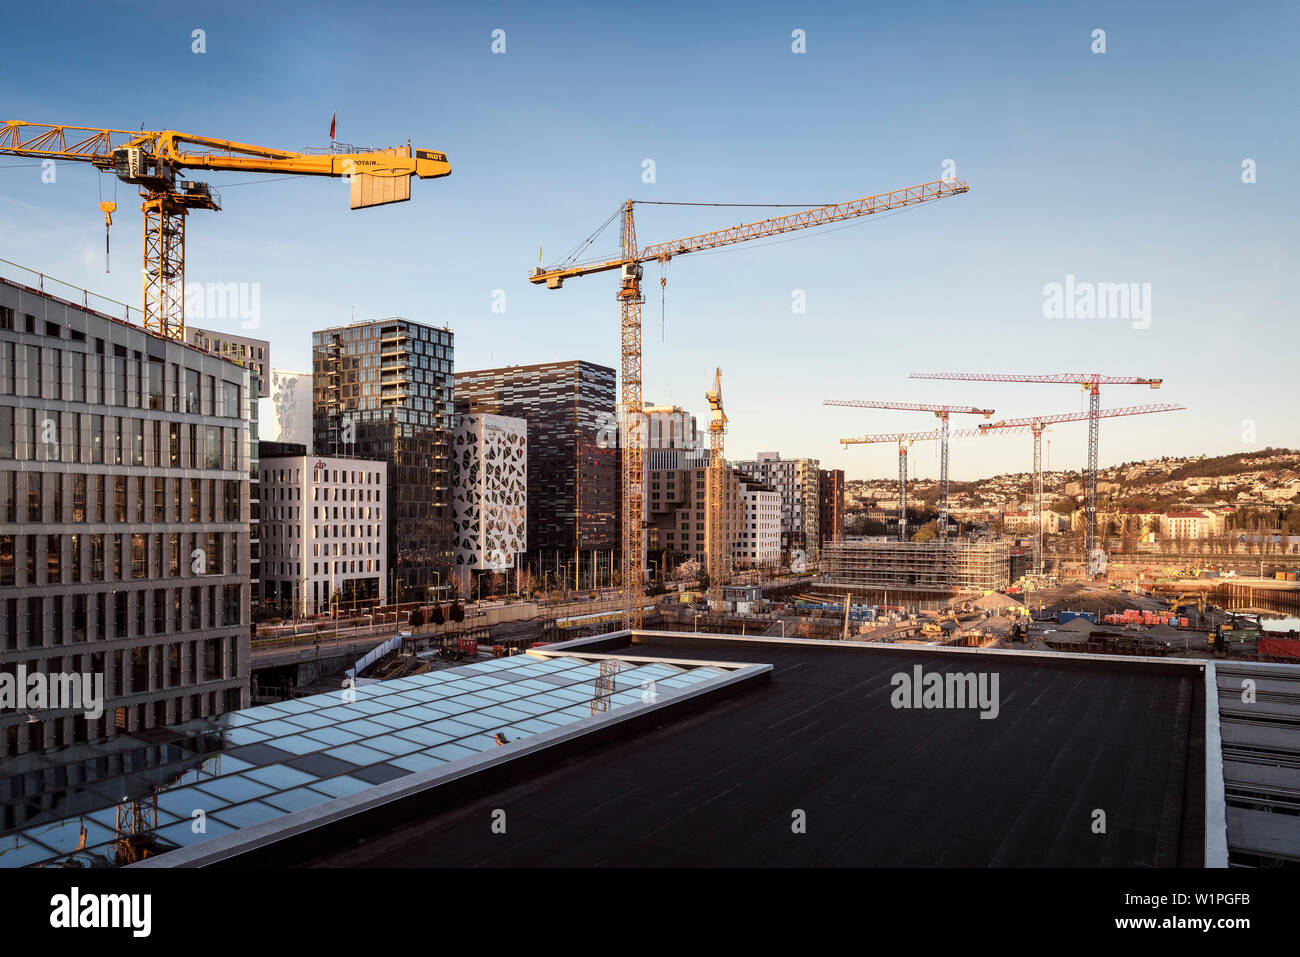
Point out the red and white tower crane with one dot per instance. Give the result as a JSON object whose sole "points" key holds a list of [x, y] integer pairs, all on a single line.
{"points": [[942, 412], [1090, 382], [1037, 425]]}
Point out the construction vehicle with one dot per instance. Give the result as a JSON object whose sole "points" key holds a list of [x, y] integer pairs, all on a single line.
{"points": [[628, 264], [153, 160], [943, 625], [942, 412], [1187, 598], [1091, 382]]}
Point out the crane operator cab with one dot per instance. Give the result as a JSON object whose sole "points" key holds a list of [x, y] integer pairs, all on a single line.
{"points": [[133, 165]]}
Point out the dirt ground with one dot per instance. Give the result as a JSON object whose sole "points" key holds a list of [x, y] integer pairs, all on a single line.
{"points": [[1085, 596]]}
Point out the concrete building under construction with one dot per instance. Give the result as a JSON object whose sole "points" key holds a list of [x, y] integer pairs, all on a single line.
{"points": [[917, 567]]}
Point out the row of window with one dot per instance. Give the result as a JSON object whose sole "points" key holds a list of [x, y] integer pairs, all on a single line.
{"points": [[74, 498], [287, 513], [74, 559], [55, 621], [131, 380], [340, 569], [50, 435]]}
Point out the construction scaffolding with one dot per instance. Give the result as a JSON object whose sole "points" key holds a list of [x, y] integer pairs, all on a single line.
{"points": [[916, 566]]}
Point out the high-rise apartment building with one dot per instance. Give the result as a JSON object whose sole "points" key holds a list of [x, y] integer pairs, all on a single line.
{"points": [[830, 504], [383, 391], [677, 517], [124, 514], [798, 482], [573, 464], [671, 439], [252, 354]]}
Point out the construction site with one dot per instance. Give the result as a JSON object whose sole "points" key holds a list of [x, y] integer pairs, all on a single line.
{"points": [[918, 569], [315, 555]]}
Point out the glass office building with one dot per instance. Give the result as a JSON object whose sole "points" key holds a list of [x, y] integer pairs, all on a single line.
{"points": [[124, 522], [382, 390]]}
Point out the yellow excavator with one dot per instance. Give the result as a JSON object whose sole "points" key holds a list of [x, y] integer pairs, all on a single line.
{"points": [[1188, 598], [945, 624]]}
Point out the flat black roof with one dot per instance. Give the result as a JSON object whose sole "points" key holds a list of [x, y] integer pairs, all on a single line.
{"points": [[879, 786]]}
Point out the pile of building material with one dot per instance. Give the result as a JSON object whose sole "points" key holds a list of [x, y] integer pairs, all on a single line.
{"points": [[995, 602]]}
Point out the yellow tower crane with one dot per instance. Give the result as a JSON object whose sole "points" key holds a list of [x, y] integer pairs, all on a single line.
{"points": [[152, 160], [718, 552], [628, 265]]}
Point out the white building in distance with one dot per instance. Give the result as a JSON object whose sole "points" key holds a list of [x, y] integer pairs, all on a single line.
{"points": [[489, 493], [760, 537], [798, 482], [323, 533]]}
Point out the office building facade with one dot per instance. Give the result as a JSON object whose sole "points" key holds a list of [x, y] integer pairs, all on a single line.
{"points": [[573, 463], [324, 536], [677, 518], [383, 391], [124, 514], [490, 494]]}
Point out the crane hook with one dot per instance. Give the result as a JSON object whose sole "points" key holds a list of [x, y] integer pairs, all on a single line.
{"points": [[108, 208]]}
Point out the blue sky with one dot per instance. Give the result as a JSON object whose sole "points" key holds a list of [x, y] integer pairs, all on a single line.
{"points": [[1115, 167]]}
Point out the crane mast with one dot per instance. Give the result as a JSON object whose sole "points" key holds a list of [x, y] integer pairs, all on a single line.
{"points": [[717, 493], [630, 298], [632, 559]]}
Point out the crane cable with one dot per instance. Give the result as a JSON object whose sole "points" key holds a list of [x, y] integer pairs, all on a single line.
{"points": [[581, 247], [663, 299]]}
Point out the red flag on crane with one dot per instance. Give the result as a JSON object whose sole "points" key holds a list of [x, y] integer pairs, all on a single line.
{"points": [[333, 122]]}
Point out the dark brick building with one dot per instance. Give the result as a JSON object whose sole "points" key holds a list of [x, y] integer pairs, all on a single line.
{"points": [[830, 506], [573, 464]]}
